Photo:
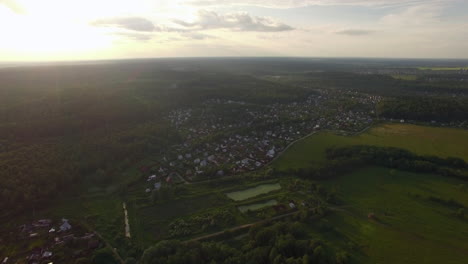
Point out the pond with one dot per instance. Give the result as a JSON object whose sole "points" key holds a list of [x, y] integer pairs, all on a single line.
{"points": [[252, 192], [256, 206]]}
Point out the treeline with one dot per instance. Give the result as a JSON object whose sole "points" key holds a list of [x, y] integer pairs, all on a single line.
{"points": [[398, 159], [425, 109], [283, 242], [379, 84]]}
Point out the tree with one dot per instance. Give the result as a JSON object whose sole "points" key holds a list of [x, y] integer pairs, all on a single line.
{"points": [[104, 256]]}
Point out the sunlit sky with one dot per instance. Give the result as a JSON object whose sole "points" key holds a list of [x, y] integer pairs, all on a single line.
{"points": [[43, 30]]}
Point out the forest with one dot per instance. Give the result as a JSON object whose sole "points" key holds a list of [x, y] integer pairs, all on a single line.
{"points": [[428, 109]]}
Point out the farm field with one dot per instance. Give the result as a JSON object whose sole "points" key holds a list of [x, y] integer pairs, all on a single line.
{"points": [[252, 192], [415, 228], [442, 142], [405, 77]]}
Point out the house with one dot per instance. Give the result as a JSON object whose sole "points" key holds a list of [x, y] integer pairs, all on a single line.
{"points": [[271, 153], [42, 223], [157, 186], [152, 177], [169, 179], [52, 230], [47, 254], [65, 225], [292, 205]]}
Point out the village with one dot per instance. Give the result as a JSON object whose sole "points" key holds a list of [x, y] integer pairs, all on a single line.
{"points": [[225, 137], [50, 241]]}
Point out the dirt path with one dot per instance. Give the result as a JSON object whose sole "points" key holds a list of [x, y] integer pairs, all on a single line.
{"points": [[127, 225], [237, 228]]}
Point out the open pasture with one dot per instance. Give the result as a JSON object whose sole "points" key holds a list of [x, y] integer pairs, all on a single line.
{"points": [[422, 140], [406, 219], [252, 192]]}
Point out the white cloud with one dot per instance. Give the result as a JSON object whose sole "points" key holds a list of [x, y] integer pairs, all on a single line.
{"points": [[130, 23], [303, 3], [234, 21], [355, 32]]}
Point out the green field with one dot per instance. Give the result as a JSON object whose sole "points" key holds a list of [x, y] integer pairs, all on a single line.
{"points": [[257, 206], [410, 228], [405, 77], [252, 192], [443, 142], [416, 217]]}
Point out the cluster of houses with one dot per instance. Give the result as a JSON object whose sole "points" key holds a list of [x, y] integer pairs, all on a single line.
{"points": [[216, 144], [50, 237]]}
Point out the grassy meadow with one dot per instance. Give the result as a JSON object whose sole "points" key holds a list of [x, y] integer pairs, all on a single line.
{"points": [[442, 142], [409, 227], [416, 217]]}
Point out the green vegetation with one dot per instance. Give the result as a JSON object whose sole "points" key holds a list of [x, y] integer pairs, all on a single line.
{"points": [[78, 141], [252, 192], [256, 206], [407, 77], [405, 219], [435, 141], [424, 109]]}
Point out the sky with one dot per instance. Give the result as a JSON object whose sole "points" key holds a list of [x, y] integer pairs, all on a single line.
{"points": [[51, 30]]}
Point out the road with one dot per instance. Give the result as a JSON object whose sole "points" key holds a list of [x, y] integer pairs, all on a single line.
{"points": [[127, 225]]}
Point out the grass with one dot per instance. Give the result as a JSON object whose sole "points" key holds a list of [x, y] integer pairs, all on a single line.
{"points": [[257, 206], [405, 77], [150, 223], [443, 142], [252, 192], [409, 228]]}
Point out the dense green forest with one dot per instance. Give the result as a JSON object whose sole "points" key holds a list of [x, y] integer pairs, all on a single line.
{"points": [[61, 125], [427, 109]]}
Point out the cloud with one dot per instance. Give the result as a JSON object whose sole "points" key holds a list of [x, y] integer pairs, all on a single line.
{"points": [[130, 23], [303, 3], [234, 21], [197, 36], [135, 36], [12, 5], [355, 32]]}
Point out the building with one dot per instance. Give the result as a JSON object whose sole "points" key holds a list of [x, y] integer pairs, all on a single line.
{"points": [[65, 225]]}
